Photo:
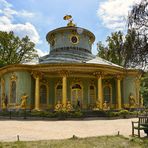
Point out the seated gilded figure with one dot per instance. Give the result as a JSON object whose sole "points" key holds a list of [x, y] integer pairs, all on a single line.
{"points": [[58, 106], [105, 106], [97, 105], [69, 107], [132, 102], [24, 101], [4, 101]]}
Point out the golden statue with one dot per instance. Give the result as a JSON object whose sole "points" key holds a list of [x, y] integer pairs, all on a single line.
{"points": [[132, 102], [69, 18], [97, 105], [24, 101], [4, 101], [69, 106], [58, 106], [105, 106]]}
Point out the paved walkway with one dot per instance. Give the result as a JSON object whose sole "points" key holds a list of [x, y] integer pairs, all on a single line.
{"points": [[44, 130]]}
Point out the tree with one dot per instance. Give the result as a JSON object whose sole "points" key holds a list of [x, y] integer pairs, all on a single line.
{"points": [[114, 50], [138, 20], [120, 49], [138, 17], [14, 50]]}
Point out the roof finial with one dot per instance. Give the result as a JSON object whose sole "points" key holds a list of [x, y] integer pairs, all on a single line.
{"points": [[70, 20]]}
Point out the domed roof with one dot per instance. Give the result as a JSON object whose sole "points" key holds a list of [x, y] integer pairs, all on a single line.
{"points": [[69, 44]]}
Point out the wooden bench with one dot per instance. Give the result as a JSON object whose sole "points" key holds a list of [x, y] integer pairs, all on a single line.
{"points": [[141, 124]]}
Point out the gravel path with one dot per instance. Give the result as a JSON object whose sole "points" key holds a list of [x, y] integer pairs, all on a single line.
{"points": [[44, 130]]}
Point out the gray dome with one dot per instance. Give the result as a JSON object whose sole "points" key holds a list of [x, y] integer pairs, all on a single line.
{"points": [[69, 45]]}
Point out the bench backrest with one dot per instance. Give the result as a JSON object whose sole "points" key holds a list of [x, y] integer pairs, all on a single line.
{"points": [[143, 120]]}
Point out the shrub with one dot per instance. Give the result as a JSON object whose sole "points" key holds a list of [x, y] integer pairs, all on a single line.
{"points": [[123, 113], [77, 114]]}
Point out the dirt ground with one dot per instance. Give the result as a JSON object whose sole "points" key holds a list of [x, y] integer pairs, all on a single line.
{"points": [[44, 130]]}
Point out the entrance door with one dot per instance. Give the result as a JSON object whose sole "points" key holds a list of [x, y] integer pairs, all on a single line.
{"points": [[77, 95]]}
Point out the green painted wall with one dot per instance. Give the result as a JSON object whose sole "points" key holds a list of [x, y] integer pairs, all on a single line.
{"points": [[23, 85], [128, 87]]}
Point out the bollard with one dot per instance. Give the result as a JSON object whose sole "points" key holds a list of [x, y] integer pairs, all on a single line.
{"points": [[25, 114], [118, 133], [10, 115], [18, 138]]}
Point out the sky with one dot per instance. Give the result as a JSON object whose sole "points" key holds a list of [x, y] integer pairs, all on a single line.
{"points": [[36, 18]]}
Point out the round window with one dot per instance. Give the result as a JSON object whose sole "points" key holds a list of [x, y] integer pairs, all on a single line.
{"points": [[74, 39]]}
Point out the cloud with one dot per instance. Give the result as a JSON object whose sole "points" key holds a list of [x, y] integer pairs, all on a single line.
{"points": [[113, 13], [21, 30], [25, 13], [41, 53], [7, 17], [4, 3]]}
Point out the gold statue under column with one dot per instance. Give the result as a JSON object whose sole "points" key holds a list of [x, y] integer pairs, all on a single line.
{"points": [[24, 101], [4, 101], [58, 106], [132, 102], [69, 107]]}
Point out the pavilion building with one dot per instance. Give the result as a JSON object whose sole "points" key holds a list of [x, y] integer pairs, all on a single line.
{"points": [[70, 73]]}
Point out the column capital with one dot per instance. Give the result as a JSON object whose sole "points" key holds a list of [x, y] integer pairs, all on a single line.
{"points": [[36, 74], [98, 74], [119, 77], [64, 73]]}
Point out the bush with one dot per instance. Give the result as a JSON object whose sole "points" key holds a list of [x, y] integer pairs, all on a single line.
{"points": [[123, 113], [77, 114]]}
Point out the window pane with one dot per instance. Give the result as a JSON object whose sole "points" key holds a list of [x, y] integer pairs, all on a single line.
{"points": [[107, 94], [43, 94], [92, 95], [59, 93]]}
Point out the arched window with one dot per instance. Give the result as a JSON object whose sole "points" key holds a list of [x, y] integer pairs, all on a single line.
{"points": [[13, 92], [107, 94], [43, 94], [58, 93], [92, 94], [76, 94]]}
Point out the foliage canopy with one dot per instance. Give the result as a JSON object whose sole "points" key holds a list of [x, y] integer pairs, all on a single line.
{"points": [[14, 50]]}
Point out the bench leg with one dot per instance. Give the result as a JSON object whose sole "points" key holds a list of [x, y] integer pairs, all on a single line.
{"points": [[132, 131], [138, 133]]}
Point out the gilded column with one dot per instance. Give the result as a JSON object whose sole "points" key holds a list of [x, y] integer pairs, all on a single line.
{"points": [[64, 75], [137, 84], [37, 93], [100, 89], [37, 90], [119, 105], [64, 99]]}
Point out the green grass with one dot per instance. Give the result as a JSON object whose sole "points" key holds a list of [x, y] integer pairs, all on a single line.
{"points": [[91, 142]]}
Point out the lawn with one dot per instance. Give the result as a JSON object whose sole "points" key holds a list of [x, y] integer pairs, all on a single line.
{"points": [[91, 142]]}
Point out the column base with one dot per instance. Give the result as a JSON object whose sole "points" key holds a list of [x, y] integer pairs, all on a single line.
{"points": [[36, 109]]}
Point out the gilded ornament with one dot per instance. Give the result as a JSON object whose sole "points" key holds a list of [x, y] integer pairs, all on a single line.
{"points": [[24, 101]]}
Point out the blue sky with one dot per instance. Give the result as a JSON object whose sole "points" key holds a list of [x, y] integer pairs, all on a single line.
{"points": [[37, 17]]}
